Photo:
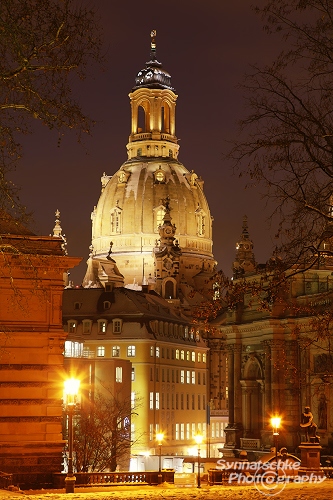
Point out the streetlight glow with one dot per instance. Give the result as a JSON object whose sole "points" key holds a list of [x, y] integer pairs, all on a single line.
{"points": [[160, 437], [198, 439], [276, 422], [71, 390]]}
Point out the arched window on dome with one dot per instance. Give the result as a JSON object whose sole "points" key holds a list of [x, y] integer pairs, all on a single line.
{"points": [[143, 117], [165, 118], [116, 221], [201, 221], [159, 213]]}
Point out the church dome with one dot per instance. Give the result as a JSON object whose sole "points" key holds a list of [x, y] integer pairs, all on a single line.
{"points": [[131, 206]]}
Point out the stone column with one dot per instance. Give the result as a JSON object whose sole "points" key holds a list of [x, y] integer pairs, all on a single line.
{"points": [[267, 406], [237, 385], [231, 384]]}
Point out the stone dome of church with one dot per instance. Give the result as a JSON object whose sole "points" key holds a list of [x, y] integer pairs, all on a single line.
{"points": [[131, 207]]}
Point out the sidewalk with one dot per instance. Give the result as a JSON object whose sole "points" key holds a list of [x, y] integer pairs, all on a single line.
{"points": [[303, 491]]}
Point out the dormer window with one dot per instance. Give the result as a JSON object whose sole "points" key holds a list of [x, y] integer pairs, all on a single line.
{"points": [[117, 326], [102, 326], [106, 304], [72, 326]]}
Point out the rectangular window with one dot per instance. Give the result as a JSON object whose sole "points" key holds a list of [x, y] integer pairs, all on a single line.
{"points": [[199, 378], [168, 401], [182, 432], [177, 432], [152, 351], [182, 401], [131, 351], [182, 376], [72, 326], [157, 376], [204, 378], [204, 357], [187, 355], [193, 402], [133, 374], [177, 401], [168, 375], [151, 400], [157, 401], [182, 354], [151, 374], [193, 356], [188, 376], [163, 375], [193, 377], [132, 400], [187, 401], [172, 401], [151, 432], [157, 352], [199, 401], [116, 326], [102, 326], [115, 351], [100, 351], [119, 374], [86, 326], [177, 353], [199, 357], [193, 430], [187, 431], [163, 406]]}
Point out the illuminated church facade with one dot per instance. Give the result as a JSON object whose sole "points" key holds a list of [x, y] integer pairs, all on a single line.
{"points": [[152, 246]]}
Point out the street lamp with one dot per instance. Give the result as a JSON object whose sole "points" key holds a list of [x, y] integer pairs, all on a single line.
{"points": [[198, 439], [71, 391], [276, 422], [160, 437]]}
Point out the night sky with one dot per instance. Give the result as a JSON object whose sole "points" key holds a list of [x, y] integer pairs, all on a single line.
{"points": [[206, 46]]}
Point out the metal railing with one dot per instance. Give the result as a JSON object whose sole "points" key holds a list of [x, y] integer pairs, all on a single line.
{"points": [[6, 480], [115, 478]]}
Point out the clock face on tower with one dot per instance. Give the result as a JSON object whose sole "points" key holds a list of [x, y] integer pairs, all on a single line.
{"points": [[168, 230]]}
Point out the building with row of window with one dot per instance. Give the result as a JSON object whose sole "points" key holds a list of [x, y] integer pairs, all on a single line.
{"points": [[169, 361]]}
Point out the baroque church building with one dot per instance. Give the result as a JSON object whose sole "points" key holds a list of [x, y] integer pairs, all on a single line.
{"points": [[149, 267]]}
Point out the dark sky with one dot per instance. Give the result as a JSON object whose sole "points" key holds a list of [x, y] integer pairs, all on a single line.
{"points": [[206, 46]]}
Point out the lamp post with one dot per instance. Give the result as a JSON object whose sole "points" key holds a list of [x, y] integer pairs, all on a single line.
{"points": [[276, 422], [160, 437], [198, 440], [71, 391]]}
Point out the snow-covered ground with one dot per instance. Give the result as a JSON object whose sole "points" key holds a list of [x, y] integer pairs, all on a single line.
{"points": [[305, 491]]}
